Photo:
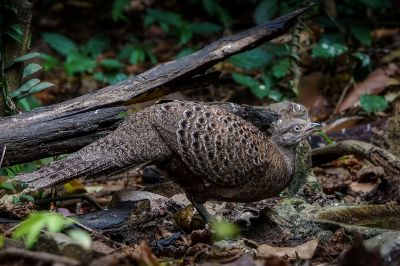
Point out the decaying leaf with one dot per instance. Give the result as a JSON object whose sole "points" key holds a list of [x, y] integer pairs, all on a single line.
{"points": [[303, 251], [364, 187]]}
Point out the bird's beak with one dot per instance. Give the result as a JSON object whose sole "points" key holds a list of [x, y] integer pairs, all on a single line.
{"points": [[312, 127]]}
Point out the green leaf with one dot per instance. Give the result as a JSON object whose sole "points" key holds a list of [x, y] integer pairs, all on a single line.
{"points": [[49, 62], [361, 33], [7, 186], [244, 80], [253, 59], [185, 35], [78, 63], [96, 45], [126, 51], [32, 90], [81, 237], [373, 103], [122, 115], [265, 10], [163, 18], [364, 59], [15, 32], [24, 88], [40, 87], [137, 56], [280, 69], [27, 198], [1, 241], [259, 90], [118, 9], [27, 56], [30, 69], [24, 105], [214, 8], [30, 229], [275, 95], [111, 64], [363, 69], [110, 78], [185, 52], [16, 200], [277, 49], [60, 43], [151, 56], [223, 230], [204, 28], [328, 50], [267, 90]]}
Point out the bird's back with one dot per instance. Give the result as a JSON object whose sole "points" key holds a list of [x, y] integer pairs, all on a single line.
{"points": [[221, 150]]}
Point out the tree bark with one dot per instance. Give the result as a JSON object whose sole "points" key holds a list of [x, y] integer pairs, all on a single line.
{"points": [[12, 49], [58, 128]]}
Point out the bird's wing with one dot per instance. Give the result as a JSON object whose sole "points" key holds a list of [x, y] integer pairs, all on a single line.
{"points": [[133, 143], [213, 143]]}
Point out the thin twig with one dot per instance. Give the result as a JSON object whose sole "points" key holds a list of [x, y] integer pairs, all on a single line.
{"points": [[344, 93], [2, 155], [69, 197]]}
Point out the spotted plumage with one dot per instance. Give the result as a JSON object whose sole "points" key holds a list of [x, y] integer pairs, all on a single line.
{"points": [[211, 150]]}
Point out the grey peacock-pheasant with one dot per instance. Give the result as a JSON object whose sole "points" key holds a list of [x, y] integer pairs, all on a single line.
{"points": [[225, 152]]}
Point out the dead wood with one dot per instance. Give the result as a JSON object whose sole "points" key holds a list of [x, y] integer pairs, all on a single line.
{"points": [[374, 154], [68, 126]]}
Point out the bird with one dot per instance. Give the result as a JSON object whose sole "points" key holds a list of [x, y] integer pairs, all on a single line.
{"points": [[211, 152]]}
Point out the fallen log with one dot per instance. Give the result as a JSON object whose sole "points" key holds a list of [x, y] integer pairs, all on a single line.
{"points": [[68, 126]]}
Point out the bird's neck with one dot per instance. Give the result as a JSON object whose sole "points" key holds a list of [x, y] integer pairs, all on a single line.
{"points": [[289, 155]]}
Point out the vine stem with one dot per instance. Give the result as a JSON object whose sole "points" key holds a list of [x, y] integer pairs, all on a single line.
{"points": [[294, 58]]}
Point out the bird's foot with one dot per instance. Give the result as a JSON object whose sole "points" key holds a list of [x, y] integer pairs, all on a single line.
{"points": [[203, 212]]}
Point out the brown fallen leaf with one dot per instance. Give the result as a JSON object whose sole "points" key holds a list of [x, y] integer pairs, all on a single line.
{"points": [[375, 83], [383, 33], [304, 251], [310, 94], [363, 187]]}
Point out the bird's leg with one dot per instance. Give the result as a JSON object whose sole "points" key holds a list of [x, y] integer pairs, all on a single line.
{"points": [[201, 209]]}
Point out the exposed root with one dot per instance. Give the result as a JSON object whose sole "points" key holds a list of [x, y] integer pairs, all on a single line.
{"points": [[374, 154]]}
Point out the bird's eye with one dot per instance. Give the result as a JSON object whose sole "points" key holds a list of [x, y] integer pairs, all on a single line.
{"points": [[296, 128]]}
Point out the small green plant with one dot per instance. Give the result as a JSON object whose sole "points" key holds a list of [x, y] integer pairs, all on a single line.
{"points": [[8, 186], [84, 58], [214, 8], [11, 171], [136, 52], [272, 60], [117, 11], [30, 86], [173, 24], [78, 59], [29, 230]]}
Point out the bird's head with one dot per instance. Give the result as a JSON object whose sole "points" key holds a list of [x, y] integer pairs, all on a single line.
{"points": [[289, 133], [289, 110]]}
